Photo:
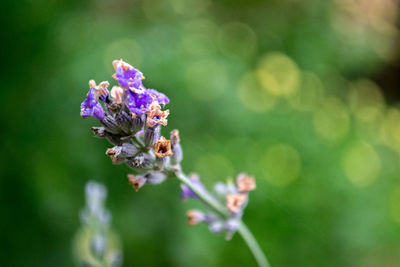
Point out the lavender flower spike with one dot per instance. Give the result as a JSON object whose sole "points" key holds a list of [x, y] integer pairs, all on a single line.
{"points": [[186, 191], [90, 107], [132, 120]]}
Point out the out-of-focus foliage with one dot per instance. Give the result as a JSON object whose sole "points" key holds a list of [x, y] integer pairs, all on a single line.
{"points": [[283, 90]]}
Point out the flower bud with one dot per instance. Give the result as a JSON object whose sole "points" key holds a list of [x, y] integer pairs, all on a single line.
{"points": [[111, 124], [137, 122], [124, 121], [141, 162], [195, 217], [136, 181], [118, 154], [216, 226], [222, 189], [151, 136], [156, 177], [99, 131], [113, 153], [177, 154]]}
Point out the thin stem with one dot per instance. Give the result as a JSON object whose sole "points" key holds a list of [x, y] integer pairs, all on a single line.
{"points": [[211, 202], [253, 245], [203, 195]]}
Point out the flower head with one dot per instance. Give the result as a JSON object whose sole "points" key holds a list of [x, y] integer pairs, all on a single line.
{"points": [[235, 201], [245, 183], [155, 116], [163, 148], [128, 77], [91, 107]]}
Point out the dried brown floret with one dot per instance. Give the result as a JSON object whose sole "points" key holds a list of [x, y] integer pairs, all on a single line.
{"points": [[163, 148]]}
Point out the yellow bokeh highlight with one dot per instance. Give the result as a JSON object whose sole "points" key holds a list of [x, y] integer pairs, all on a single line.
{"points": [[394, 203], [361, 163], [252, 96], [206, 79], [390, 129], [365, 100], [281, 164], [127, 49], [309, 94], [331, 120], [278, 74], [237, 40]]}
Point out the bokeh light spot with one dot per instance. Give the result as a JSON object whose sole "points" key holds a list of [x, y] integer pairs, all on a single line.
{"points": [[390, 129], [237, 40], [366, 100], [361, 163], [331, 120], [309, 94], [127, 49], [253, 96], [206, 79], [281, 164], [278, 74]]}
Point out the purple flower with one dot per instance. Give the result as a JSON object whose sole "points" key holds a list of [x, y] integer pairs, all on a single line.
{"points": [[187, 192], [159, 97], [128, 77], [138, 103], [90, 107]]}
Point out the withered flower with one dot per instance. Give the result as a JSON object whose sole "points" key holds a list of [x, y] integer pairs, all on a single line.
{"points": [[163, 148], [245, 183], [136, 181], [117, 93], [101, 89], [113, 153], [195, 216], [155, 116], [235, 201]]}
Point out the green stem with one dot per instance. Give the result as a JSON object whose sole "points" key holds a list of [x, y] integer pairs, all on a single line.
{"points": [[212, 203], [253, 245]]}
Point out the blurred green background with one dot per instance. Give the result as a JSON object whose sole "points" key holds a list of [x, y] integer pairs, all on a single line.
{"points": [[302, 94]]}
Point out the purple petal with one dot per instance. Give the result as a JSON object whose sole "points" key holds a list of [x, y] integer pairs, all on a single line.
{"points": [[138, 103], [160, 97], [129, 77], [90, 107]]}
